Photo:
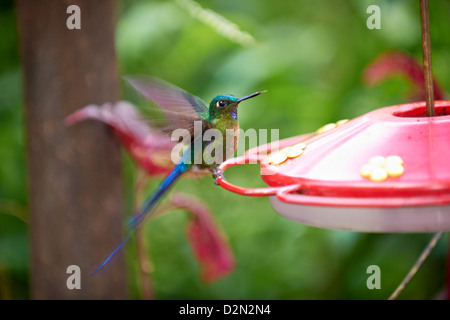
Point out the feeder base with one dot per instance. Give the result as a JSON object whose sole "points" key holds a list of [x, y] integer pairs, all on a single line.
{"points": [[420, 219]]}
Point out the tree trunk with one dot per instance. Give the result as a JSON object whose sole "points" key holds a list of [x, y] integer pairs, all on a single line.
{"points": [[75, 189]]}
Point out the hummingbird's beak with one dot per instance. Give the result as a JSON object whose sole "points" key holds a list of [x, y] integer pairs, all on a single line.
{"points": [[250, 96]]}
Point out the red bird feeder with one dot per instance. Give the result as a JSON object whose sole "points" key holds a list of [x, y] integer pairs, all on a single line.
{"points": [[386, 171]]}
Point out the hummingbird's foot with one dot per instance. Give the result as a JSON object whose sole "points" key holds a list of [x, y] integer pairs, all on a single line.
{"points": [[216, 173]]}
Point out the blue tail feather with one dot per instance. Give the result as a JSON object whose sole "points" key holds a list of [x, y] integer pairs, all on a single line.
{"points": [[112, 254], [134, 222], [147, 207]]}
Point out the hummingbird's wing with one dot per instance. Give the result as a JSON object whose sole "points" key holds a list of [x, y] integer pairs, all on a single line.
{"points": [[180, 107]]}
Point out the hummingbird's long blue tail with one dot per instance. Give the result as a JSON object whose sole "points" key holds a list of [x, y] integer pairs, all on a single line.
{"points": [[151, 202], [148, 206]]}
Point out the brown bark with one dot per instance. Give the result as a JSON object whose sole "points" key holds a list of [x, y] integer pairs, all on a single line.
{"points": [[75, 189]]}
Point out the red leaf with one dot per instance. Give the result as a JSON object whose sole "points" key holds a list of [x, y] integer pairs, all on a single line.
{"points": [[149, 148], [208, 242], [397, 63]]}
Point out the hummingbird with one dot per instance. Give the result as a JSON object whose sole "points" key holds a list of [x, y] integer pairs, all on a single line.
{"points": [[186, 111]]}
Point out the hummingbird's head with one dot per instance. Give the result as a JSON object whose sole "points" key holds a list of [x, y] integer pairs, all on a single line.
{"points": [[227, 104]]}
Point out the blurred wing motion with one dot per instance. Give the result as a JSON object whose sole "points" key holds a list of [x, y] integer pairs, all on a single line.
{"points": [[180, 107]]}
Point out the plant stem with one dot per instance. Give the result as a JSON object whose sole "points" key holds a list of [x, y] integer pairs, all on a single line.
{"points": [[426, 50], [417, 265], [144, 263]]}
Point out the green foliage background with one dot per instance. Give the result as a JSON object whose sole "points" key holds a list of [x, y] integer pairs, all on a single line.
{"points": [[310, 56]]}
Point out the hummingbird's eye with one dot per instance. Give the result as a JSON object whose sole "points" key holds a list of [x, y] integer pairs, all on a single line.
{"points": [[221, 103]]}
